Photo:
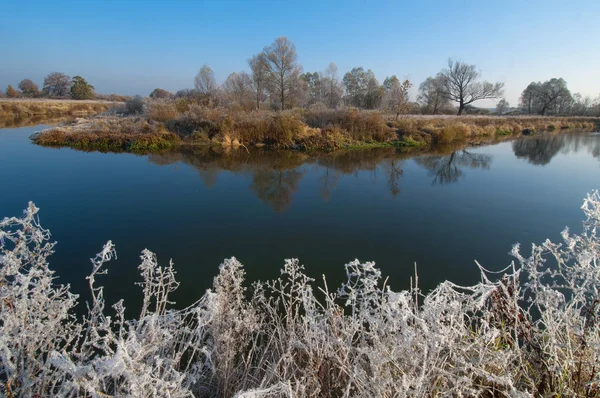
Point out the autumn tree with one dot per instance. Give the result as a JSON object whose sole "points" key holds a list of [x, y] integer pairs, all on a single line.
{"points": [[396, 98], [159, 93], [12, 93], [431, 95], [460, 84], [362, 88], [57, 84], [29, 88], [333, 90], [205, 81], [259, 70], [81, 89], [283, 70], [314, 87], [374, 94]]}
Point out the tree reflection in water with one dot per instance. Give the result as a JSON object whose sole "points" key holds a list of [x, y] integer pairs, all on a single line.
{"points": [[447, 169], [276, 175], [541, 149]]}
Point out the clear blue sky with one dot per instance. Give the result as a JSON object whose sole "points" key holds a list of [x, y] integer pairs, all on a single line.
{"points": [[132, 47]]}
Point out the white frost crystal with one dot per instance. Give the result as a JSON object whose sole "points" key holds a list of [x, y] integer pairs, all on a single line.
{"points": [[532, 330]]}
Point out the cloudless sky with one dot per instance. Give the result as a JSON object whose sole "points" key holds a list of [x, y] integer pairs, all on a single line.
{"points": [[132, 47]]}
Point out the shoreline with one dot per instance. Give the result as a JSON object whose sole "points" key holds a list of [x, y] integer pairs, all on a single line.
{"points": [[412, 134]]}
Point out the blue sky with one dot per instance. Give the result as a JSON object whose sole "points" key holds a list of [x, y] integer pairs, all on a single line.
{"points": [[132, 47]]}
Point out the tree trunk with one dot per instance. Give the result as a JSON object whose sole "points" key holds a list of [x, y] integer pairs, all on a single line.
{"points": [[460, 109]]}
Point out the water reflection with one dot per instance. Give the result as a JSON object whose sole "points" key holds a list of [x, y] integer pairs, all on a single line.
{"points": [[539, 150], [275, 176], [449, 168]]}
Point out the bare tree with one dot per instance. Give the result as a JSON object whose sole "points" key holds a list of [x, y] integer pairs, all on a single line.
{"points": [[431, 95], [258, 66], [238, 89], [282, 68], [205, 81], [502, 106], [333, 90], [459, 83], [57, 84]]}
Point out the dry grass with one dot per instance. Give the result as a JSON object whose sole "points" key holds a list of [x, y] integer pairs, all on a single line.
{"points": [[315, 129], [16, 109], [132, 134], [446, 129]]}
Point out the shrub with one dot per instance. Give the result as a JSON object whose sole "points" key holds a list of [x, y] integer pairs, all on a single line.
{"points": [[135, 105], [161, 110], [159, 93]]}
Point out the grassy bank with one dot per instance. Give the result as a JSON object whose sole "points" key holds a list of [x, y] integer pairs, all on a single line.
{"points": [[13, 110], [165, 124]]}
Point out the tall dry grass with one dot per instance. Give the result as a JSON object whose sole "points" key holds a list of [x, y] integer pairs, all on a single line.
{"points": [[15, 109], [327, 129]]}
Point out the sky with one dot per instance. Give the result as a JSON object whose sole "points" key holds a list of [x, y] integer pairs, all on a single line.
{"points": [[131, 47]]}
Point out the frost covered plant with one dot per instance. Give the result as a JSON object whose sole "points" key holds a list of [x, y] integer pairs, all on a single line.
{"points": [[530, 330]]}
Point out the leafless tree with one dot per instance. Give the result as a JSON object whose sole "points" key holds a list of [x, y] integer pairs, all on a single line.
{"points": [[431, 95], [238, 89], [333, 90], [205, 81], [282, 68], [459, 84], [259, 69], [57, 84], [502, 106]]}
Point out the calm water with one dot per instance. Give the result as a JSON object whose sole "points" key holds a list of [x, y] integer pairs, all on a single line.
{"points": [[440, 211]]}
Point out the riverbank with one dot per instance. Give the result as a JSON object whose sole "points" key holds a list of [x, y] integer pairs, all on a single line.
{"points": [[13, 111], [163, 126]]}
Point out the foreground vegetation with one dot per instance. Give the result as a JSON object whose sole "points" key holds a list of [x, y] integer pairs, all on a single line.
{"points": [[532, 332], [162, 124], [12, 111]]}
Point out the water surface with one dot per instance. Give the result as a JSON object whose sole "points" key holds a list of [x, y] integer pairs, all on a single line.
{"points": [[441, 211]]}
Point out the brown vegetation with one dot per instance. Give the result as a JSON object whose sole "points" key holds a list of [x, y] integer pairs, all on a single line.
{"points": [[131, 134], [17, 109], [184, 121], [447, 129]]}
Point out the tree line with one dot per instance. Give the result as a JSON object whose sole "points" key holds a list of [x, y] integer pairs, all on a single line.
{"points": [[276, 80], [56, 85], [553, 97]]}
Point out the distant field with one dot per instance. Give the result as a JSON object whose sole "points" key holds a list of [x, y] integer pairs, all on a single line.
{"points": [[15, 109]]}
